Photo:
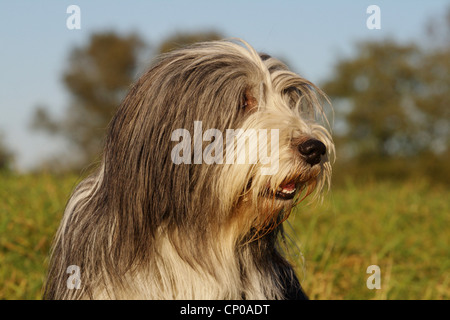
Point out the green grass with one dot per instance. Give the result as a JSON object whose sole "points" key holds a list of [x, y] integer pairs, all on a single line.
{"points": [[30, 210], [401, 227]]}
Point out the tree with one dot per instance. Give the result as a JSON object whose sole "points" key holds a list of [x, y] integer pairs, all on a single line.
{"points": [[374, 86], [6, 155], [98, 77], [393, 99]]}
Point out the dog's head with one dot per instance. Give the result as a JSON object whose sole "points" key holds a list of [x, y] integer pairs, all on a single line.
{"points": [[217, 132]]}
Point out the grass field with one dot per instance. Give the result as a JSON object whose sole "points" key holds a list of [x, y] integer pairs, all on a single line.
{"points": [[403, 228]]}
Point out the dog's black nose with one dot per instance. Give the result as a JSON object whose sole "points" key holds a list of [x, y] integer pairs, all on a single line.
{"points": [[312, 150]]}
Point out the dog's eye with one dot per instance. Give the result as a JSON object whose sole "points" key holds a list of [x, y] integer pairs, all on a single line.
{"points": [[243, 106], [292, 96], [248, 102]]}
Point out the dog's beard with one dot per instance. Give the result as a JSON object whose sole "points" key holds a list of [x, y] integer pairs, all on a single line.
{"points": [[267, 201]]}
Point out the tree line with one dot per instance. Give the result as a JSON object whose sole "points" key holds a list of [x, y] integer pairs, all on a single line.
{"points": [[391, 101]]}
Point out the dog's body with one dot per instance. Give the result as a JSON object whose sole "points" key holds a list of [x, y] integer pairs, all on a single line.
{"points": [[147, 225]]}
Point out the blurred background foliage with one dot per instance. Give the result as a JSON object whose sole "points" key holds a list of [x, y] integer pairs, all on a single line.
{"points": [[391, 102], [6, 156], [98, 77], [392, 110]]}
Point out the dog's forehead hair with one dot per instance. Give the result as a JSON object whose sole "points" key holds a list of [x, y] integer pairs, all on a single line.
{"points": [[260, 74]]}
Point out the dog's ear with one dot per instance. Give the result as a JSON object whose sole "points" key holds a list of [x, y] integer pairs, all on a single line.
{"points": [[248, 101]]}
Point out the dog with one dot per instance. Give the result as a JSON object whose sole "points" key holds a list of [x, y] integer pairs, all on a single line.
{"points": [[203, 162]]}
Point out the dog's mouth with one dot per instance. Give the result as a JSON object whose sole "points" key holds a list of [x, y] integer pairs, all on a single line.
{"points": [[289, 188], [286, 191]]}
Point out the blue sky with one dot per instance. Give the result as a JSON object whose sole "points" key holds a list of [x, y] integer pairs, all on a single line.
{"points": [[310, 35]]}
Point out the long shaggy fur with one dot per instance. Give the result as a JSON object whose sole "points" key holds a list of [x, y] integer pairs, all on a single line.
{"points": [[144, 227]]}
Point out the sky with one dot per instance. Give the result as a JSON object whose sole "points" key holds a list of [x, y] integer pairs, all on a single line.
{"points": [[312, 36]]}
